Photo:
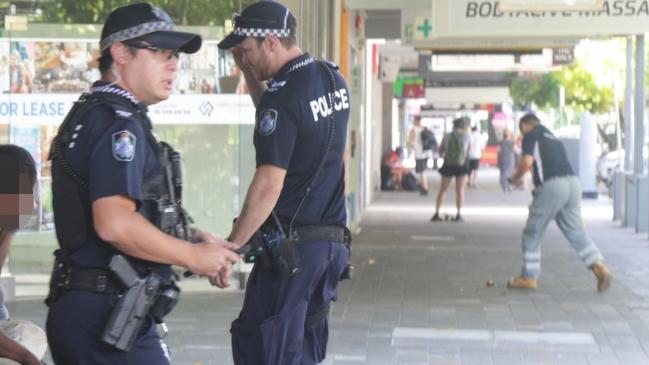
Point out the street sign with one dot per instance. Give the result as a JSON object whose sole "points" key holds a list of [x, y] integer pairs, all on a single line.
{"points": [[563, 56], [15, 22], [487, 19], [552, 5], [423, 28]]}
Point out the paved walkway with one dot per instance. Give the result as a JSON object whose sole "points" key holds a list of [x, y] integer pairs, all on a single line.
{"points": [[420, 293]]}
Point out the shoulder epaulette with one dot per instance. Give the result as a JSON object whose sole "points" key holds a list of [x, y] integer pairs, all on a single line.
{"points": [[275, 85], [331, 65]]}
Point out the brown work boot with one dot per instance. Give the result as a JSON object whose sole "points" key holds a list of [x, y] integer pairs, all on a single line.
{"points": [[602, 274], [521, 283]]}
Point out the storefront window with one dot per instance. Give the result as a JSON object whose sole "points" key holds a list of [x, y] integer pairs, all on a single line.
{"points": [[204, 119]]}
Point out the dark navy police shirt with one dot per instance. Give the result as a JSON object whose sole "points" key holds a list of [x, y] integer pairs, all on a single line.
{"points": [[291, 132], [550, 159], [110, 151]]}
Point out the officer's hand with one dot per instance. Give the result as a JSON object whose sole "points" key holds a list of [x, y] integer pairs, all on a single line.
{"points": [[210, 257], [198, 235], [222, 279], [237, 54]]}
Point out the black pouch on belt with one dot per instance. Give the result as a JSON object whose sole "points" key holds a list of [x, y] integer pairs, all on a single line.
{"points": [[282, 254]]}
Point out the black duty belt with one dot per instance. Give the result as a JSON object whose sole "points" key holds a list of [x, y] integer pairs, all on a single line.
{"points": [[319, 233], [89, 279]]}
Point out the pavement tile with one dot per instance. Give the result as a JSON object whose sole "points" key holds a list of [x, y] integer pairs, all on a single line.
{"points": [[411, 273]]}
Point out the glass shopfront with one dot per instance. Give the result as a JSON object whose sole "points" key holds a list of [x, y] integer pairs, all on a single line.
{"points": [[209, 119]]}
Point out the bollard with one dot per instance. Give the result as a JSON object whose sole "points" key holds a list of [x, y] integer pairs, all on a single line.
{"points": [[642, 208], [630, 201]]}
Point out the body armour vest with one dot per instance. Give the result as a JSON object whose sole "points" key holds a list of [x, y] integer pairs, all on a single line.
{"points": [[162, 192]]}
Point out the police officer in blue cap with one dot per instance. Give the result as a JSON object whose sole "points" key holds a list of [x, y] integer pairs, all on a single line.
{"points": [[117, 194], [295, 204]]}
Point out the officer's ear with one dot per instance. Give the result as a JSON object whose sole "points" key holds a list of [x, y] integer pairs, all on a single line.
{"points": [[119, 52], [272, 42]]}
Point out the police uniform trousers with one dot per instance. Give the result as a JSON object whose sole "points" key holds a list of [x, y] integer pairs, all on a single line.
{"points": [[276, 326], [557, 199], [75, 323]]}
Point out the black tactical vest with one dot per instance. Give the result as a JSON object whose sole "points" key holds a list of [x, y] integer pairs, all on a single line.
{"points": [[161, 203]]}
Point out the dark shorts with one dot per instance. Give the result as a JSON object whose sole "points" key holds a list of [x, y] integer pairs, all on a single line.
{"points": [[474, 164], [421, 165], [450, 171]]}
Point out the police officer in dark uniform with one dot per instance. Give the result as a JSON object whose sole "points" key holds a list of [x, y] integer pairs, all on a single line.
{"points": [[117, 191], [296, 200]]}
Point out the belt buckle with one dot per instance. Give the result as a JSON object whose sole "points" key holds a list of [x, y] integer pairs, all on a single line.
{"points": [[102, 281]]}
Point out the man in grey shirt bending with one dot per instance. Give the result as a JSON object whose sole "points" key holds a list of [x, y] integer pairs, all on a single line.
{"points": [[557, 195]]}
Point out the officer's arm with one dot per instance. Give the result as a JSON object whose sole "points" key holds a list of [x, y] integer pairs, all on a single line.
{"points": [[117, 222], [261, 198], [10, 349], [524, 165]]}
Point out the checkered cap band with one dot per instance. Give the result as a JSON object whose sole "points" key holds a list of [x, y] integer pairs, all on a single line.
{"points": [[262, 32], [134, 32]]}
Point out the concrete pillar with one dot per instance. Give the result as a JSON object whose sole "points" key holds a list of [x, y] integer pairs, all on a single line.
{"points": [[628, 106], [638, 165], [588, 156], [386, 100]]}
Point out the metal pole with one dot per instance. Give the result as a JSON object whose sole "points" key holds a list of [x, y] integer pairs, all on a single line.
{"points": [[628, 106], [638, 166]]}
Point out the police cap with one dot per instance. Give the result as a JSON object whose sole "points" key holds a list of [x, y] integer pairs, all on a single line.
{"points": [[259, 20], [148, 23]]}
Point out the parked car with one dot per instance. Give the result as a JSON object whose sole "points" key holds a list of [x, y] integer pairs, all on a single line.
{"points": [[610, 162], [607, 165]]}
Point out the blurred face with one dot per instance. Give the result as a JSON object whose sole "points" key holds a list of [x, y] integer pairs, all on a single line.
{"points": [[526, 128], [256, 57], [17, 208], [149, 72]]}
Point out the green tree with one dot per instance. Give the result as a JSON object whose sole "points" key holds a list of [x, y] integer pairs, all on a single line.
{"points": [[582, 92], [183, 12], [540, 90]]}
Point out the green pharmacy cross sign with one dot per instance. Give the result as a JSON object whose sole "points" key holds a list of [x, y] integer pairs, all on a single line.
{"points": [[423, 26]]}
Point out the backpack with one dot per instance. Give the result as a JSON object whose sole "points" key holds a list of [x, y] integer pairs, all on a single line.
{"points": [[409, 182], [455, 152], [428, 141]]}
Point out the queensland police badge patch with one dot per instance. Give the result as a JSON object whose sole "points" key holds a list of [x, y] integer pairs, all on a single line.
{"points": [[267, 122], [124, 146]]}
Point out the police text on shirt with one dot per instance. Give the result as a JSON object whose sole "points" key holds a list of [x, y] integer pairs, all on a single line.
{"points": [[320, 106]]}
